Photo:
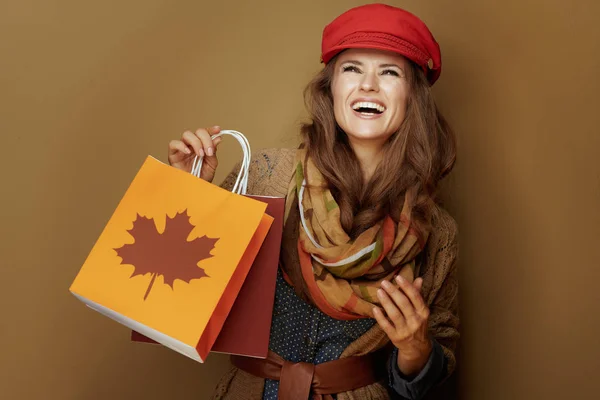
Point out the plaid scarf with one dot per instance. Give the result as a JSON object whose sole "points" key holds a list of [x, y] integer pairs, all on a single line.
{"points": [[327, 268]]}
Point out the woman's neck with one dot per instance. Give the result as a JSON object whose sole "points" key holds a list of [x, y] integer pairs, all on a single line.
{"points": [[369, 155]]}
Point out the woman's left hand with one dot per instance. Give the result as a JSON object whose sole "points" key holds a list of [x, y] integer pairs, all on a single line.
{"points": [[406, 323]]}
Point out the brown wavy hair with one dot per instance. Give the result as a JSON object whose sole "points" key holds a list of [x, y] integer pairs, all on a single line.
{"points": [[415, 158]]}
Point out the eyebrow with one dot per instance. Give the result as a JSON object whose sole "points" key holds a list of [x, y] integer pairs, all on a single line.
{"points": [[390, 65], [381, 66]]}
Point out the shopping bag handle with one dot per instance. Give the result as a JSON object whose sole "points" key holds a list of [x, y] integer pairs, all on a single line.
{"points": [[241, 183]]}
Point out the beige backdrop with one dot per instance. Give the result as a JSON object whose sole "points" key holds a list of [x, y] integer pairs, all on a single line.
{"points": [[88, 89]]}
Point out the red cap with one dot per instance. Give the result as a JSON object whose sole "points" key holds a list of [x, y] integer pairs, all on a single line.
{"points": [[383, 27]]}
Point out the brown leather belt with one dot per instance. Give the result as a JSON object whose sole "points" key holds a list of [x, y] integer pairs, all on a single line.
{"points": [[297, 379]]}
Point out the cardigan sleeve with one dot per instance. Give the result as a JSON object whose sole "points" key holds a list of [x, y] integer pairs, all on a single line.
{"points": [[441, 275], [269, 174]]}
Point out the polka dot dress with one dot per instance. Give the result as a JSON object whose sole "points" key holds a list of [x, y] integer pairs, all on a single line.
{"points": [[302, 333]]}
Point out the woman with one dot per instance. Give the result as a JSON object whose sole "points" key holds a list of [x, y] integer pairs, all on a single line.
{"points": [[366, 299]]}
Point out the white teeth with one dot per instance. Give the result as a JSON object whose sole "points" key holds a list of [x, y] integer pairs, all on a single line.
{"points": [[368, 104]]}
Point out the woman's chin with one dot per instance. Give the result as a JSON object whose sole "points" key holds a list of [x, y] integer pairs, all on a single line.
{"points": [[368, 136]]}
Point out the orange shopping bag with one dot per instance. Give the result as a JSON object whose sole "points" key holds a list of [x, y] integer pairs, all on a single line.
{"points": [[175, 248], [246, 331]]}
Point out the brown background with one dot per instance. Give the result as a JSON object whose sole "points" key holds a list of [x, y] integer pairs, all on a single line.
{"points": [[88, 89]]}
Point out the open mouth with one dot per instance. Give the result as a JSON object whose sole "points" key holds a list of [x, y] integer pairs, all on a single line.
{"points": [[368, 108]]}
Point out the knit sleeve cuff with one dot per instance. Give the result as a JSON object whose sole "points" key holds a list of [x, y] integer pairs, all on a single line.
{"points": [[417, 387]]}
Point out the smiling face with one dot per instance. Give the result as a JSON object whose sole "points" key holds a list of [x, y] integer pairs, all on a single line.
{"points": [[370, 93]]}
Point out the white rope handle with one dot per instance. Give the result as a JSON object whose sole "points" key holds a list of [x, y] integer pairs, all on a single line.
{"points": [[241, 183]]}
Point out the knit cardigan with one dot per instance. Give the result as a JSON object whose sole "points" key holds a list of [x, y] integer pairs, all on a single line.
{"points": [[270, 173]]}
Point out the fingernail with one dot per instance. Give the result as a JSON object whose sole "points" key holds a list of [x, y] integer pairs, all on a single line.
{"points": [[187, 151], [201, 153], [400, 279], [386, 284], [379, 292], [216, 127], [209, 151]]}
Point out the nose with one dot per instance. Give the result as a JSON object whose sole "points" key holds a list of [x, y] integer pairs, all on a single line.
{"points": [[369, 82]]}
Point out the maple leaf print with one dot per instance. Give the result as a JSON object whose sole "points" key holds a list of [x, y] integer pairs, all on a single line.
{"points": [[169, 254]]}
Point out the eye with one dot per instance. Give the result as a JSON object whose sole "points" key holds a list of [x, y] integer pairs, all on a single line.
{"points": [[390, 72], [350, 68]]}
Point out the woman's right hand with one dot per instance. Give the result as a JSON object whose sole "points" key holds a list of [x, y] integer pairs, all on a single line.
{"points": [[183, 151]]}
